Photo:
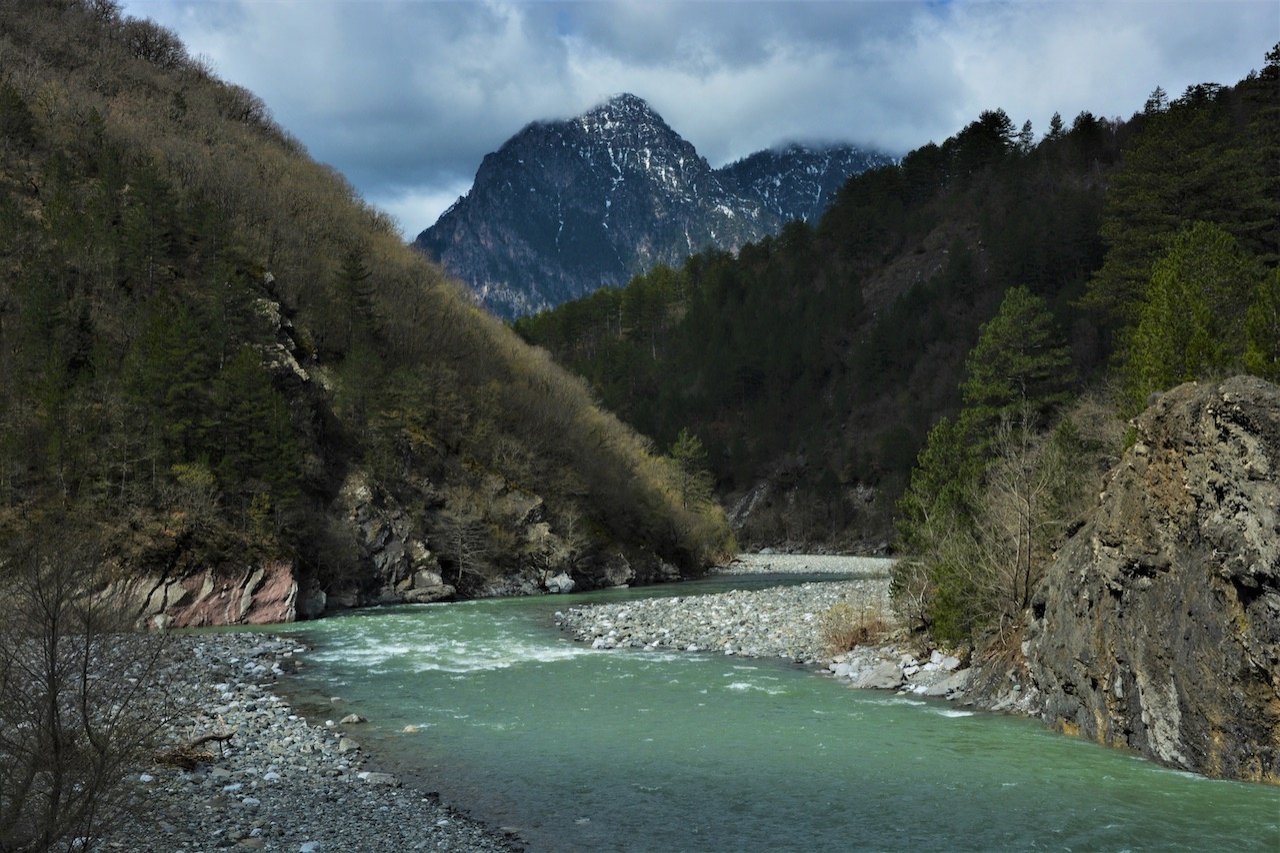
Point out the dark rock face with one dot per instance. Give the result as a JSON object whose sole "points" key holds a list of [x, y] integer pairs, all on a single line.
{"points": [[1159, 622], [797, 182], [566, 207]]}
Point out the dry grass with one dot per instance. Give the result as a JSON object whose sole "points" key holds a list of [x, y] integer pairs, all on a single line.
{"points": [[844, 627]]}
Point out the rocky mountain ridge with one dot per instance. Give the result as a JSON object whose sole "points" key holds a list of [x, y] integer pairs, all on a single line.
{"points": [[566, 207]]}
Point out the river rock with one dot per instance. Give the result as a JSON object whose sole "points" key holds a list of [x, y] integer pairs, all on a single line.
{"points": [[883, 676], [1158, 624], [561, 583]]}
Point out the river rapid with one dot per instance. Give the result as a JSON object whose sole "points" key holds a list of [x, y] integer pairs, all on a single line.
{"points": [[577, 749]]}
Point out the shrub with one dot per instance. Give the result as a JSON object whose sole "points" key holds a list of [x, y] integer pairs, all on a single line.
{"points": [[843, 627]]}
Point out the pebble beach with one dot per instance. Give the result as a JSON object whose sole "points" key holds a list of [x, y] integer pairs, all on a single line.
{"points": [[280, 782]]}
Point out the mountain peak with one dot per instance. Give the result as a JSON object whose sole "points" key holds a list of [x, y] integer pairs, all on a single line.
{"points": [[624, 103], [626, 114], [568, 206]]}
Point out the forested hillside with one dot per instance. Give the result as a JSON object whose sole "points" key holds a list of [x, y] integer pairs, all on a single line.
{"points": [[214, 356], [813, 365]]}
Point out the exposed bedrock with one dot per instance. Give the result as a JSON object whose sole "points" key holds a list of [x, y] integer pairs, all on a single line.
{"points": [[1158, 624]]}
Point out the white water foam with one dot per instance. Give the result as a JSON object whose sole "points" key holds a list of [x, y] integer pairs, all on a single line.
{"points": [[744, 685]]}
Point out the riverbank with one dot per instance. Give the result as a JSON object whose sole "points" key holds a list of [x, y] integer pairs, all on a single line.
{"points": [[279, 783], [783, 622], [768, 563]]}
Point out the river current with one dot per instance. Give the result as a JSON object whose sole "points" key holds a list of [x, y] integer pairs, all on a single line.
{"points": [[583, 750]]}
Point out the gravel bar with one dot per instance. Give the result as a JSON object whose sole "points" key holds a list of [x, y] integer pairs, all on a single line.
{"points": [[766, 563], [782, 622], [279, 783]]}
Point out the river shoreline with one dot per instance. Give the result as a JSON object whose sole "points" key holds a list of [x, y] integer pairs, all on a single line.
{"points": [[283, 783], [786, 622], [280, 782]]}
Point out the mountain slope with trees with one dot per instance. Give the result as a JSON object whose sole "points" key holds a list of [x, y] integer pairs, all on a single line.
{"points": [[814, 364], [214, 357]]}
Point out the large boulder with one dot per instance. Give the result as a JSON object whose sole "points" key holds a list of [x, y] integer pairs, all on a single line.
{"points": [[1158, 624], [391, 550]]}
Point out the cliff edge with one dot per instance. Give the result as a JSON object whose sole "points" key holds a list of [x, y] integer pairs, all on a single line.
{"points": [[1158, 624]]}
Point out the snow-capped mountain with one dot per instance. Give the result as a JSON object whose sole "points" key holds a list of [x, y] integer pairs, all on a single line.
{"points": [[566, 207]]}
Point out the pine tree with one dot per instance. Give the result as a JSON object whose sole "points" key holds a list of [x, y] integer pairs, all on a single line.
{"points": [[1195, 305], [1262, 329], [1020, 364], [689, 463]]}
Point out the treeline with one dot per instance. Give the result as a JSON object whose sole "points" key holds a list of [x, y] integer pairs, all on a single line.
{"points": [[1189, 289], [203, 333], [1006, 298], [819, 358]]}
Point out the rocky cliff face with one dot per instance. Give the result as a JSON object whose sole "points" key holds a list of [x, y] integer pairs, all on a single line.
{"points": [[566, 207], [1158, 624]]}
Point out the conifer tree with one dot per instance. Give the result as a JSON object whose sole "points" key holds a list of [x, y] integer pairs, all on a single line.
{"points": [[1189, 324], [693, 480], [1262, 329], [1020, 364]]}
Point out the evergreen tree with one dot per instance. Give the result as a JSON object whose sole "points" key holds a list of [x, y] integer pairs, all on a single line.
{"points": [[692, 479], [1157, 101], [257, 450], [1262, 329], [1020, 364], [1195, 306], [1057, 129]]}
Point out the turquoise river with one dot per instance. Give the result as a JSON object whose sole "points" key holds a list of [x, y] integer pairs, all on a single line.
{"points": [[582, 750]]}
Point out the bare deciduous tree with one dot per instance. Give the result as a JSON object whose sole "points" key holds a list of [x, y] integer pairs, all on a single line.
{"points": [[79, 704]]}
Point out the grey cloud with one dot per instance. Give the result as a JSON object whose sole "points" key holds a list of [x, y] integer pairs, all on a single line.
{"points": [[405, 98]]}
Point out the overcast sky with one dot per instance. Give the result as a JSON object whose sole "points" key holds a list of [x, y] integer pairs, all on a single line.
{"points": [[405, 97]]}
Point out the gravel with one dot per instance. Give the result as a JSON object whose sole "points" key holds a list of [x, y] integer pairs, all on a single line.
{"points": [[766, 562], [279, 783], [782, 622]]}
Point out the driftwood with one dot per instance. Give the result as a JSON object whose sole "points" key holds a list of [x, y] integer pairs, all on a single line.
{"points": [[203, 739], [190, 755]]}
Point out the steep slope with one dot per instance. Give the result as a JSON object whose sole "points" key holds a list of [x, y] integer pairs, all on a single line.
{"points": [[565, 207], [814, 363], [1158, 624], [223, 368], [797, 181]]}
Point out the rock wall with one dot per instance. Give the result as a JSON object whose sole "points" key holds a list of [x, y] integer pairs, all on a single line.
{"points": [[258, 595], [1158, 624], [397, 566]]}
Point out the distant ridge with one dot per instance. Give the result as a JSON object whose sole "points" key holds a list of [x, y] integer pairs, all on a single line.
{"points": [[566, 207]]}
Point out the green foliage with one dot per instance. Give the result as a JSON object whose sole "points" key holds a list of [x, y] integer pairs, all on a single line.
{"points": [[1209, 157], [1262, 329], [1188, 326], [974, 521], [203, 334], [693, 481], [1021, 362]]}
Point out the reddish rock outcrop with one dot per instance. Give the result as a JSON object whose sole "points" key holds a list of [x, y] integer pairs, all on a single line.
{"points": [[261, 595]]}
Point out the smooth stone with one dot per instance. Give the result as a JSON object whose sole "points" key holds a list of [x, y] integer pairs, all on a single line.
{"points": [[884, 676], [352, 719]]}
